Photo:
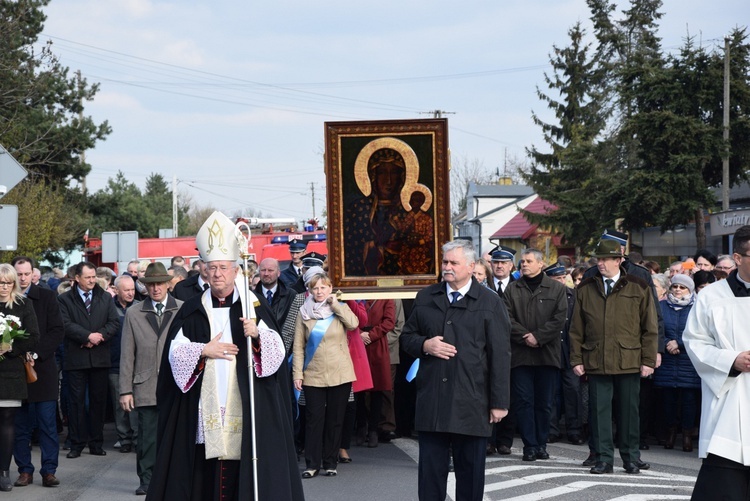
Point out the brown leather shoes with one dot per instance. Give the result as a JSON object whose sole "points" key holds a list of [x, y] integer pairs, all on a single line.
{"points": [[24, 479], [50, 480]]}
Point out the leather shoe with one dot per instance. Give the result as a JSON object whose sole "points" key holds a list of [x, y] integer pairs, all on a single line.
{"points": [[631, 468], [643, 446], [542, 455], [24, 479], [99, 452], [529, 456], [491, 449], [50, 480], [602, 467], [142, 490], [576, 440], [504, 450], [553, 438], [642, 464], [126, 448], [73, 454], [590, 461]]}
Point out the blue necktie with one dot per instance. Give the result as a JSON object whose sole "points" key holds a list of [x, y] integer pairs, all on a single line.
{"points": [[455, 296], [269, 296]]}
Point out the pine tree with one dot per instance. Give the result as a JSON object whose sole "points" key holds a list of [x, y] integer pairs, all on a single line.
{"points": [[572, 175]]}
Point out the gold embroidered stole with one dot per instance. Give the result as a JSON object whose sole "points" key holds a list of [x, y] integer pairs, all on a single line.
{"points": [[223, 437]]}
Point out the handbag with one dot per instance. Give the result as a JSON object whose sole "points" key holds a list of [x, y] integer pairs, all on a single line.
{"points": [[28, 364]]}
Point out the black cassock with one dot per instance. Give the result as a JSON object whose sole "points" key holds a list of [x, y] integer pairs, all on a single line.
{"points": [[176, 467]]}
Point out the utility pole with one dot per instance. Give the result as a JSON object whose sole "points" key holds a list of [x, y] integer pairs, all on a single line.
{"points": [[312, 192], [437, 113], [174, 205], [725, 160]]}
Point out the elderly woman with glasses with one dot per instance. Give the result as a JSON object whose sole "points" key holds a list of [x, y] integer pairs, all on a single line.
{"points": [[676, 375], [15, 310]]}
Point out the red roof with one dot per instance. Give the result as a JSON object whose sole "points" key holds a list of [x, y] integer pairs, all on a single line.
{"points": [[518, 226]]}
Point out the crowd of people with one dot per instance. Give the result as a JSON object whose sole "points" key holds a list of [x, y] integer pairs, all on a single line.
{"points": [[604, 353]]}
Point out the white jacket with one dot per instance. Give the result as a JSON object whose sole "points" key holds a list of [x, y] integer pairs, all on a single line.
{"points": [[717, 330]]}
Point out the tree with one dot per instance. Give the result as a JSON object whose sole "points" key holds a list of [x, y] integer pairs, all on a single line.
{"points": [[45, 221], [572, 175], [41, 107], [196, 218], [42, 121], [638, 136], [463, 172], [121, 206], [676, 126]]}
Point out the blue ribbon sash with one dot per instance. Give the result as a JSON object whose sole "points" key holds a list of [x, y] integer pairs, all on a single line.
{"points": [[316, 336]]}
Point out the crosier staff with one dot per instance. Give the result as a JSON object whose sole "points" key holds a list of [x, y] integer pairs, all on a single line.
{"points": [[243, 243]]}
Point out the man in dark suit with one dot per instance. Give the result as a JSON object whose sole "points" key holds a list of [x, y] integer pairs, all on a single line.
{"points": [[90, 320], [41, 405], [276, 294], [501, 256], [192, 286]]}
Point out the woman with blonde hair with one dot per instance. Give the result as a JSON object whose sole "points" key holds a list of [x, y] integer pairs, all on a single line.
{"points": [[15, 314], [323, 367]]}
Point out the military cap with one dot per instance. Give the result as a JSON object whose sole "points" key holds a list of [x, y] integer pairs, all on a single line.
{"points": [[313, 259], [502, 253], [617, 236], [297, 245], [555, 270]]}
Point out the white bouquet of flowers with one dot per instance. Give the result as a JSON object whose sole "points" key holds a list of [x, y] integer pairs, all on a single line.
{"points": [[10, 329]]}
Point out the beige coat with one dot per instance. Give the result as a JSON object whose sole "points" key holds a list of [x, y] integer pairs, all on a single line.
{"points": [[331, 364], [142, 345]]}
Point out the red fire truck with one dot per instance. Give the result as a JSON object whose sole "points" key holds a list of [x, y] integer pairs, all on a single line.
{"points": [[265, 241]]}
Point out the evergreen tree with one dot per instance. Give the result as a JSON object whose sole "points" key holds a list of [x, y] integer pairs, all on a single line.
{"points": [[573, 174], [41, 105]]}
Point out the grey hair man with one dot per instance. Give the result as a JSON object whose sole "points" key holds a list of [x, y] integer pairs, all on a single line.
{"points": [[460, 333]]}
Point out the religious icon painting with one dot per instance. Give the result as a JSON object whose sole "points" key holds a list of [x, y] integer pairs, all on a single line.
{"points": [[388, 205]]}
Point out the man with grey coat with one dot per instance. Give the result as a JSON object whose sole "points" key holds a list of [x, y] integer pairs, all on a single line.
{"points": [[143, 338]]}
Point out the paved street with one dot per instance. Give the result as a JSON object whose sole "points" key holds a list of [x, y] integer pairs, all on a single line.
{"points": [[389, 472]]}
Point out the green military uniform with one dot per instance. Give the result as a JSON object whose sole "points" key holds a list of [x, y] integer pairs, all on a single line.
{"points": [[612, 336]]}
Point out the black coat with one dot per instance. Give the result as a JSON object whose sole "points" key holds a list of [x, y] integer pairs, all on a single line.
{"points": [[278, 473], [456, 395], [565, 339], [79, 324], [51, 333], [187, 288], [289, 276], [282, 301], [12, 373]]}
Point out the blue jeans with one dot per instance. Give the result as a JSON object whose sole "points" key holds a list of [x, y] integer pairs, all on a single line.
{"points": [[532, 391], [44, 414]]}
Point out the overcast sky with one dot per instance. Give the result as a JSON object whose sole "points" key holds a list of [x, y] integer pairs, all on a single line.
{"points": [[231, 96]]}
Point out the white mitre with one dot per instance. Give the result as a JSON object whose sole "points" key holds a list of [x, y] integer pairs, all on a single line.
{"points": [[219, 239]]}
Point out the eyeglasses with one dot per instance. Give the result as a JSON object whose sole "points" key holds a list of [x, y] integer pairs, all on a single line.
{"points": [[724, 268], [214, 269], [678, 286], [9, 284]]}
